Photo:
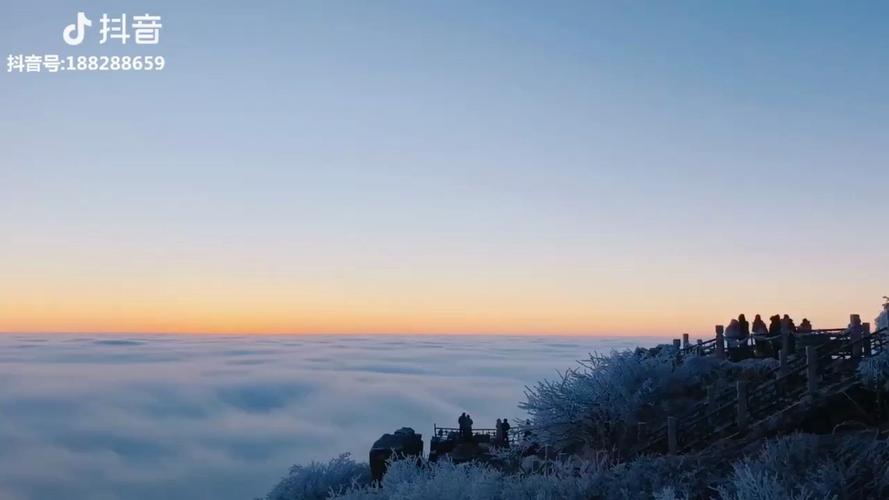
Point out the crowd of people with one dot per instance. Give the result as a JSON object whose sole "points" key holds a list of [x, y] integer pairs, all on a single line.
{"points": [[767, 338], [501, 430]]}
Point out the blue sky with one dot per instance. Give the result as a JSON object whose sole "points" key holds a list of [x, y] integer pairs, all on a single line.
{"points": [[452, 167]]}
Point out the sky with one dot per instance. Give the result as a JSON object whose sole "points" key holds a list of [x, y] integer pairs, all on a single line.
{"points": [[447, 167]]}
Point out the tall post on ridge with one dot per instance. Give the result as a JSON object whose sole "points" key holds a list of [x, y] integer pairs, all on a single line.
{"points": [[685, 343], [720, 342], [812, 369], [700, 347], [743, 414]]}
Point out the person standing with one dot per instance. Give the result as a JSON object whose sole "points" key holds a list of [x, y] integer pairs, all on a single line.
{"points": [[760, 332], [805, 326], [759, 326], [775, 326], [744, 325], [788, 326], [733, 333], [505, 427], [775, 334], [468, 426]]}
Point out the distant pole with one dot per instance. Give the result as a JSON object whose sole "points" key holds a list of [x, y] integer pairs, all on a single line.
{"points": [[685, 342], [720, 342], [742, 405], [672, 435], [700, 347], [812, 369]]}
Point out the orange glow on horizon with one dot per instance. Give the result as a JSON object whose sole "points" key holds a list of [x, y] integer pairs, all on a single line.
{"points": [[83, 295], [238, 315]]}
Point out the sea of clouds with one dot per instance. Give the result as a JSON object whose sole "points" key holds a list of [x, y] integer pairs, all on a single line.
{"points": [[223, 417]]}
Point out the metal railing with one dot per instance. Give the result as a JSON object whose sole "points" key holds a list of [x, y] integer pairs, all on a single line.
{"points": [[513, 435]]}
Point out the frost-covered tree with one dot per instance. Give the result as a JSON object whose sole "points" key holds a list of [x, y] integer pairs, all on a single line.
{"points": [[883, 319], [445, 480], [874, 371], [599, 404], [810, 467], [793, 467], [318, 481], [569, 479]]}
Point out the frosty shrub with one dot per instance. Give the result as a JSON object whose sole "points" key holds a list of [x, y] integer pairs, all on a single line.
{"points": [[440, 480], [318, 481], [874, 371], [795, 467], [599, 404], [570, 479], [810, 467], [445, 480], [682, 476], [882, 320]]}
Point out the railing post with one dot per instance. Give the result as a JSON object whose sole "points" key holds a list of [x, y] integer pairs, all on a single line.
{"points": [[720, 342], [785, 348], [672, 435], [742, 405], [855, 335], [812, 369], [865, 344], [700, 347], [677, 343], [685, 342]]}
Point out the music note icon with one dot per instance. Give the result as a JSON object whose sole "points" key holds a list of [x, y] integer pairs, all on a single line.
{"points": [[79, 27]]}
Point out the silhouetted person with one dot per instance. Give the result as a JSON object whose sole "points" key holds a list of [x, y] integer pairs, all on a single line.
{"points": [[760, 331], [787, 322], [775, 334], [805, 326], [468, 427], [775, 326], [759, 326], [463, 424], [744, 325], [733, 334], [498, 433], [505, 426]]}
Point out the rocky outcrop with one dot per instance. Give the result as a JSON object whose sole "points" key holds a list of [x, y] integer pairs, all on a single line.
{"points": [[402, 443]]}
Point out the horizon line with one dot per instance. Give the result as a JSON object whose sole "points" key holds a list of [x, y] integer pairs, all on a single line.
{"points": [[341, 334]]}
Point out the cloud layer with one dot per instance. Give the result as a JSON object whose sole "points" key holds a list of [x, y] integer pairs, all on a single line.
{"points": [[194, 417]]}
